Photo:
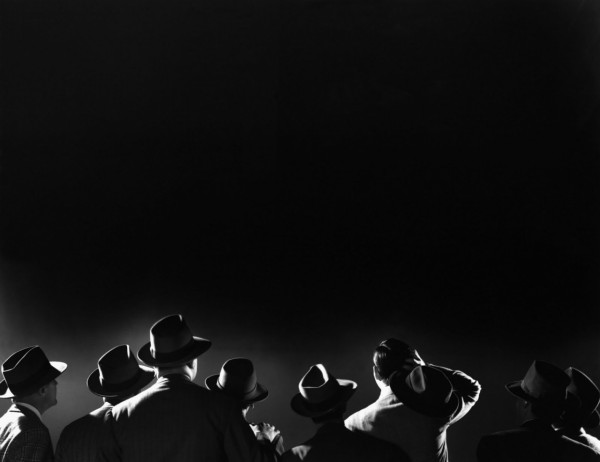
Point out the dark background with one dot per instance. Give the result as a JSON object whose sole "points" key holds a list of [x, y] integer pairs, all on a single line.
{"points": [[302, 179]]}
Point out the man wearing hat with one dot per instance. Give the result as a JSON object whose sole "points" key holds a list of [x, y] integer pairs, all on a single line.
{"points": [[417, 402], [573, 422], [237, 379], [543, 394], [30, 381], [176, 419], [118, 377], [323, 398]]}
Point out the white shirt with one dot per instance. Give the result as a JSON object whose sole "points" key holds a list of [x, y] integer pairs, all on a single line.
{"points": [[31, 408]]}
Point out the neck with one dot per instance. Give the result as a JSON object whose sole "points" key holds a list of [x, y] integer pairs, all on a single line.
{"points": [[41, 409], [114, 400], [181, 370]]}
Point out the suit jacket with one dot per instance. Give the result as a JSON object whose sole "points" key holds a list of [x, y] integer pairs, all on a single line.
{"points": [[23, 437], [334, 442], [534, 441], [176, 420], [81, 440], [422, 437]]}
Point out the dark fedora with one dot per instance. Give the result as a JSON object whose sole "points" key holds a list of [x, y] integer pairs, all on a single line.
{"points": [[172, 343], [26, 371], [321, 392], [544, 383], [588, 394], [238, 379], [119, 374], [425, 390]]}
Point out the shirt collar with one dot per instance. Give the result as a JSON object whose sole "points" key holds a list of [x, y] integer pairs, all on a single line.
{"points": [[385, 391], [30, 407]]}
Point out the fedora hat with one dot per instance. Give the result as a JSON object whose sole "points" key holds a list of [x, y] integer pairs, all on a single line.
{"points": [[119, 374], [425, 390], [172, 343], [26, 371], [544, 383], [238, 379], [321, 392], [588, 394]]}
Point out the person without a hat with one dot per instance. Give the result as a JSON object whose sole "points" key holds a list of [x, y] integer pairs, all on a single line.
{"points": [[323, 398], [118, 377], [30, 382], [176, 419], [237, 379], [573, 423], [542, 397], [417, 402]]}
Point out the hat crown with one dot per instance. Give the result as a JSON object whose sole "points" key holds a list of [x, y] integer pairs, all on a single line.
{"points": [[545, 382], [430, 384], [318, 385], [237, 377], [169, 335], [118, 366], [28, 369]]}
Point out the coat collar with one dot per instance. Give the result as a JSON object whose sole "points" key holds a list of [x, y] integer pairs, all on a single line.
{"points": [[26, 409]]}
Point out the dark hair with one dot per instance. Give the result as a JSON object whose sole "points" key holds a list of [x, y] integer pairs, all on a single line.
{"points": [[390, 355], [336, 413], [544, 411]]}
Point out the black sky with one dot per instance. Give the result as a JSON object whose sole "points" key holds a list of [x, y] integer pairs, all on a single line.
{"points": [[304, 168]]}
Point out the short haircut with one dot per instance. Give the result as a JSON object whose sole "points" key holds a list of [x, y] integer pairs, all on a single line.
{"points": [[544, 411], [336, 413], [390, 355]]}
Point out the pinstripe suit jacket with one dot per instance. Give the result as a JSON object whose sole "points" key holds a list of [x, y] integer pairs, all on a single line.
{"points": [[176, 420], [23, 437], [81, 439]]}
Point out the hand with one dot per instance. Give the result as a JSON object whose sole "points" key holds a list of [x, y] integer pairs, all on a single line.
{"points": [[265, 431], [418, 359], [412, 362]]}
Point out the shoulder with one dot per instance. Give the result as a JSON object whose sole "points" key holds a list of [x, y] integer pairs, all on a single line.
{"points": [[89, 420], [165, 396], [366, 412]]}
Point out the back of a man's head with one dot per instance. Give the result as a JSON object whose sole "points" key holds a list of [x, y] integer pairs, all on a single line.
{"points": [[390, 356], [546, 412]]}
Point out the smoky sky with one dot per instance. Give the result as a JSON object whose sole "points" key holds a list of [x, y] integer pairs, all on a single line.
{"points": [[301, 180]]}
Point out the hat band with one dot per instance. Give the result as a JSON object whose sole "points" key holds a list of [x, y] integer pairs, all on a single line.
{"points": [[322, 405], [243, 393], [173, 355], [17, 387], [110, 387]]}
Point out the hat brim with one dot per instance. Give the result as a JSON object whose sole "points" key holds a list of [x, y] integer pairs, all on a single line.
{"points": [[198, 347], [571, 402], [95, 386], [411, 399], [258, 394], [306, 409], [56, 368]]}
